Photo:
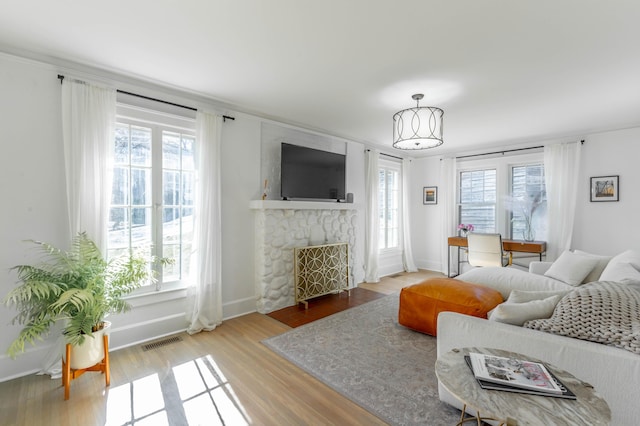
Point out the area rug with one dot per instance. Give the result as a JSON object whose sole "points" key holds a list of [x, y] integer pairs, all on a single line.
{"points": [[364, 354]]}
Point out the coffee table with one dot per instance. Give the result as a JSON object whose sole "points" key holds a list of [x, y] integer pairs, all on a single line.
{"points": [[509, 408]]}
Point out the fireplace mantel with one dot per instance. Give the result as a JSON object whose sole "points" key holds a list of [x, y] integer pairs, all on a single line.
{"points": [[283, 226], [300, 205]]}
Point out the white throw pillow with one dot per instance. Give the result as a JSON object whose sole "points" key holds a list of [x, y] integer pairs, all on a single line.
{"points": [[623, 267], [519, 313], [519, 296], [594, 275], [571, 268]]}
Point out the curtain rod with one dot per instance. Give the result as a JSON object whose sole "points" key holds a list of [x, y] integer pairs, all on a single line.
{"points": [[392, 156], [505, 151], [224, 117], [388, 155], [500, 152]]}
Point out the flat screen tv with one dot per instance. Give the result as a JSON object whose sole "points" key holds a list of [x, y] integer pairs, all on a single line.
{"points": [[311, 174]]}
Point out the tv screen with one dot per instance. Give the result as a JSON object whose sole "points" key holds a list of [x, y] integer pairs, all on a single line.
{"points": [[308, 173]]}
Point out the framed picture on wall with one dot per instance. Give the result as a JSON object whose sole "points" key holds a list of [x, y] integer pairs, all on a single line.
{"points": [[430, 195], [605, 188]]}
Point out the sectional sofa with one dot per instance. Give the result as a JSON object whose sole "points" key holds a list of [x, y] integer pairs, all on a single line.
{"points": [[549, 314]]}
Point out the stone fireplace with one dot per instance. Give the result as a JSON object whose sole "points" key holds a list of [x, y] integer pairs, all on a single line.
{"points": [[281, 226]]}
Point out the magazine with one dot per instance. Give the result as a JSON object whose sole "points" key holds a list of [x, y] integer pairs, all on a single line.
{"points": [[566, 392], [515, 373]]}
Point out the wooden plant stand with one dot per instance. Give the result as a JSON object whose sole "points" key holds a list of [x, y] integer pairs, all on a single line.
{"points": [[69, 374]]}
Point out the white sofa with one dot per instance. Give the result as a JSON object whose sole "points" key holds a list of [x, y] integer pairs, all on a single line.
{"points": [[614, 372]]}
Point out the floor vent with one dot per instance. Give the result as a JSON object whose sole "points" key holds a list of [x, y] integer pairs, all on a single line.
{"points": [[395, 275], [161, 343]]}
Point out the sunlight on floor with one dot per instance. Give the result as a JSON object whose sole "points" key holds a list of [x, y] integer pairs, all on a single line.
{"points": [[193, 393]]}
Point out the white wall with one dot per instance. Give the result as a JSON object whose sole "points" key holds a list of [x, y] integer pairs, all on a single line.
{"points": [[240, 152], [32, 175], [602, 228], [34, 203], [34, 207], [355, 185], [426, 219], [273, 134], [609, 227]]}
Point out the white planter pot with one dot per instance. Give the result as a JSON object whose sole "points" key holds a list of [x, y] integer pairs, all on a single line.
{"points": [[91, 351]]}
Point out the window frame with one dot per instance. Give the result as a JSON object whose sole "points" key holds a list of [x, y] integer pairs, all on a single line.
{"points": [[396, 166], [478, 204], [158, 121], [503, 166], [511, 213]]}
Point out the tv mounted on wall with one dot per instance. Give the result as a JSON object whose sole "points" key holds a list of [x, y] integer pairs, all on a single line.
{"points": [[311, 174]]}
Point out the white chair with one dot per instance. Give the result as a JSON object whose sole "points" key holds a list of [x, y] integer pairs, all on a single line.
{"points": [[486, 250]]}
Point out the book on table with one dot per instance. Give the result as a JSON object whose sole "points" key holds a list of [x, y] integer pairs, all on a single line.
{"points": [[516, 375]]}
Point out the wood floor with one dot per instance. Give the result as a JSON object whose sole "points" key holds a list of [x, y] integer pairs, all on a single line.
{"points": [[323, 306], [222, 377]]}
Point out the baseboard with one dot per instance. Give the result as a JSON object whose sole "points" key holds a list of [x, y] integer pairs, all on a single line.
{"points": [[30, 362], [390, 270], [239, 307], [128, 330], [430, 265], [131, 334]]}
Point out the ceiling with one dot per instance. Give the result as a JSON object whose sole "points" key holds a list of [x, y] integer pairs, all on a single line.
{"points": [[505, 72]]}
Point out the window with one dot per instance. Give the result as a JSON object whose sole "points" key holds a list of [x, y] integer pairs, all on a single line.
{"points": [[152, 198], [389, 205], [501, 194], [478, 195], [529, 200]]}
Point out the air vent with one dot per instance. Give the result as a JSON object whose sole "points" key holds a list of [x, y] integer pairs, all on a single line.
{"points": [[161, 343], [395, 276]]}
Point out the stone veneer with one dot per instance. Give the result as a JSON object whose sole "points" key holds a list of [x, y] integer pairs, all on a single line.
{"points": [[281, 226]]}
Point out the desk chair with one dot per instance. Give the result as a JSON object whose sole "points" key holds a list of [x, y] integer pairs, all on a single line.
{"points": [[486, 250]]}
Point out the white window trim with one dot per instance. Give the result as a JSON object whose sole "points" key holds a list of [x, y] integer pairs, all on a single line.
{"points": [[396, 165], [132, 114], [503, 167]]}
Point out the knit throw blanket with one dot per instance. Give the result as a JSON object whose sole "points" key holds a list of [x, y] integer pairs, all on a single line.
{"points": [[604, 312]]}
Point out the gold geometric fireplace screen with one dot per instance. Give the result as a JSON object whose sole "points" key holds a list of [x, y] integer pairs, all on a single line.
{"points": [[321, 270]]}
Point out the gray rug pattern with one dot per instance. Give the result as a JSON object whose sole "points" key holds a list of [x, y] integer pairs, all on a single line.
{"points": [[364, 354]]}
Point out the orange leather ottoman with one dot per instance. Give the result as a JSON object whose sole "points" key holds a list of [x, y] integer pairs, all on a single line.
{"points": [[421, 303]]}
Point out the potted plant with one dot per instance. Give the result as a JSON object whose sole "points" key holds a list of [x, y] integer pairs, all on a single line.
{"points": [[78, 287], [526, 207]]}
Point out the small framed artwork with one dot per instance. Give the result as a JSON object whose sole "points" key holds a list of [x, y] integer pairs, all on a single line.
{"points": [[605, 188], [430, 195]]}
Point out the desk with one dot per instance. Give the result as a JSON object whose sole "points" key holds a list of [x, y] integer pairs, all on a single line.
{"points": [[519, 246], [510, 408]]}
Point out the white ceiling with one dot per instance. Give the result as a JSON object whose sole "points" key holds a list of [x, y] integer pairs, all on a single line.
{"points": [[505, 72]]}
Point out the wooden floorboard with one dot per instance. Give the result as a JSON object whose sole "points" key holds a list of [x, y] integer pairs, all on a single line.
{"points": [[394, 283], [223, 375], [323, 306]]}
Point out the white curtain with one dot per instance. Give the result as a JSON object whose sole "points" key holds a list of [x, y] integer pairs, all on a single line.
{"points": [[204, 295], [561, 169], [372, 222], [407, 252], [447, 201], [88, 122]]}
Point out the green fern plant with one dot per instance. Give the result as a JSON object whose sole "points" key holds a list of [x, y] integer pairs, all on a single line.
{"points": [[77, 286]]}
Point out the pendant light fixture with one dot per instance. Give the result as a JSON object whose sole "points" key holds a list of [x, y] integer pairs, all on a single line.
{"points": [[417, 128]]}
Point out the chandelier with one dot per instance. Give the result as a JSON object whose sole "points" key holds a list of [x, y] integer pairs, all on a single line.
{"points": [[417, 128]]}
